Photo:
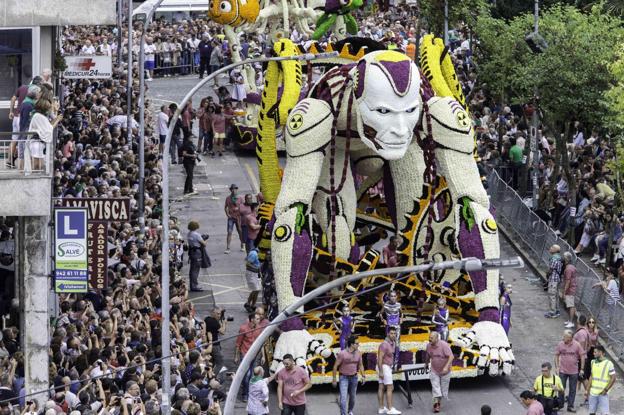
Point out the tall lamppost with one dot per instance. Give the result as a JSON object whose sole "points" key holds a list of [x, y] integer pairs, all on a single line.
{"points": [[143, 14], [446, 24], [129, 80]]}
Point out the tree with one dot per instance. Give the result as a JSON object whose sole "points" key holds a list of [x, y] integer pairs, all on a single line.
{"points": [[460, 11], [571, 75], [614, 100]]}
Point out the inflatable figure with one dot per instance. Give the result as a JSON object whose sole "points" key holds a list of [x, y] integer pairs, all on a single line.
{"points": [[381, 119], [337, 15], [235, 16]]}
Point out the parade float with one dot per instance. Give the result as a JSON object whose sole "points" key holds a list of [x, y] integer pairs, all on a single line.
{"points": [[378, 146]]}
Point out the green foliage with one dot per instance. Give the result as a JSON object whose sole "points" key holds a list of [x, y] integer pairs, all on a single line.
{"points": [[508, 9], [614, 96], [59, 62], [466, 11], [571, 75]]}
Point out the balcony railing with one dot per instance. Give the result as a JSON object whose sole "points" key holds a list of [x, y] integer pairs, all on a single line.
{"points": [[37, 158]]}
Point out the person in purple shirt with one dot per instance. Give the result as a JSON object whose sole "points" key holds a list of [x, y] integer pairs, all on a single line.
{"points": [[344, 325], [505, 308]]}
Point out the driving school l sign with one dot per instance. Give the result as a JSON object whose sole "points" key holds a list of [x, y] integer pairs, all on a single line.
{"points": [[70, 250]]}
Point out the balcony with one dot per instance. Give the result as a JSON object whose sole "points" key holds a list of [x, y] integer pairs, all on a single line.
{"points": [[26, 188]]}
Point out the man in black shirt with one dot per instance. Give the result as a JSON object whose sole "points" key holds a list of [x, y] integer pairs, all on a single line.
{"points": [[189, 158], [215, 325], [176, 140], [205, 50]]}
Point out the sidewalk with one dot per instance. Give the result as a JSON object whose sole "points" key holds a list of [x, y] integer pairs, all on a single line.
{"points": [[533, 336], [224, 282]]}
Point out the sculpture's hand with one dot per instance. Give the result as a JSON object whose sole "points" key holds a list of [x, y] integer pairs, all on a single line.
{"points": [[490, 339], [300, 344]]}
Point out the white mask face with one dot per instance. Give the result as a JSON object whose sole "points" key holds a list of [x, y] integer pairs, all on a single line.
{"points": [[387, 120]]}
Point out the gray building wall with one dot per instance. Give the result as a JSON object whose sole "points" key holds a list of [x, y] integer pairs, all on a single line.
{"points": [[15, 13]]}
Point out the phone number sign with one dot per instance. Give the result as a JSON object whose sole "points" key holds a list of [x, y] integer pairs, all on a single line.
{"points": [[70, 250]]}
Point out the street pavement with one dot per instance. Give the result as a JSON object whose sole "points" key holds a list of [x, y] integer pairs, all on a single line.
{"points": [[533, 337]]}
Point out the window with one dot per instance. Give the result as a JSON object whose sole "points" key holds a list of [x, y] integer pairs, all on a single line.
{"points": [[16, 60]]}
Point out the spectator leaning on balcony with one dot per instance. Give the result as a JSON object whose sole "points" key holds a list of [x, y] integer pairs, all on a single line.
{"points": [[34, 92], [41, 125]]}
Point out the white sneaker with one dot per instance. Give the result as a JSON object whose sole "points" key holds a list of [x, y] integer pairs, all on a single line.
{"points": [[596, 257], [569, 325], [227, 251], [393, 411], [601, 261], [383, 410]]}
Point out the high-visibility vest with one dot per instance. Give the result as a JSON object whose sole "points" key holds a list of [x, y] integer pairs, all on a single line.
{"points": [[410, 50], [600, 375]]}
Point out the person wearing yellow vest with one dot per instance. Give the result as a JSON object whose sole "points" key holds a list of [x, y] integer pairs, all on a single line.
{"points": [[548, 388], [600, 382]]}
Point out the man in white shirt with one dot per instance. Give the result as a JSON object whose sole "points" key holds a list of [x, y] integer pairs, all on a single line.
{"points": [[87, 49], [162, 126], [193, 43], [149, 49]]}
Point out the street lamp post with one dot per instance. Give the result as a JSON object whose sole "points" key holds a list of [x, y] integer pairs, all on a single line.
{"points": [[165, 334], [535, 123], [446, 34], [467, 264], [129, 86], [144, 15], [119, 31]]}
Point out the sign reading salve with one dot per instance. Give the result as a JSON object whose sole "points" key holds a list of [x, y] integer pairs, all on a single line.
{"points": [[416, 372], [70, 250], [88, 67]]}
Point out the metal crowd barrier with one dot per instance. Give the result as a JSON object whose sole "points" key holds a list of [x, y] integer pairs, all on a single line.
{"points": [[186, 65], [536, 237]]}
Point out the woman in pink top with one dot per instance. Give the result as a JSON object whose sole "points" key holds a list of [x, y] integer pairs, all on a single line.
{"points": [[253, 227], [187, 119], [592, 331], [68, 148], [218, 129]]}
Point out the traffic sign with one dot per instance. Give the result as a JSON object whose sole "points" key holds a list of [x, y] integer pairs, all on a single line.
{"points": [[70, 250]]}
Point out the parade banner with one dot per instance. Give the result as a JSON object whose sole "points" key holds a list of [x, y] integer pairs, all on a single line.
{"points": [[70, 250], [88, 67], [97, 254]]}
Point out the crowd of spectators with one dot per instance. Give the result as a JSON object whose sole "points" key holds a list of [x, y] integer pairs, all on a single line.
{"points": [[114, 335], [587, 217], [105, 345]]}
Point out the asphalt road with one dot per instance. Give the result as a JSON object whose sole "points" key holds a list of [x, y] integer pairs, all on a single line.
{"points": [[533, 337]]}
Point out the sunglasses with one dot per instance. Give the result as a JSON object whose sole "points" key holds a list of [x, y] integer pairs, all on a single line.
{"points": [[591, 322]]}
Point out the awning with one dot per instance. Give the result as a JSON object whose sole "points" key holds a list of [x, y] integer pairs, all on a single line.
{"points": [[183, 6]]}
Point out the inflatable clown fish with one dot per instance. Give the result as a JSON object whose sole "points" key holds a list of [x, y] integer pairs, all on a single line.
{"points": [[234, 12]]}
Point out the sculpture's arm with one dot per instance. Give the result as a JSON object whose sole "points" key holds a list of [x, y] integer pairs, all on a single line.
{"points": [[308, 131], [475, 228]]}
